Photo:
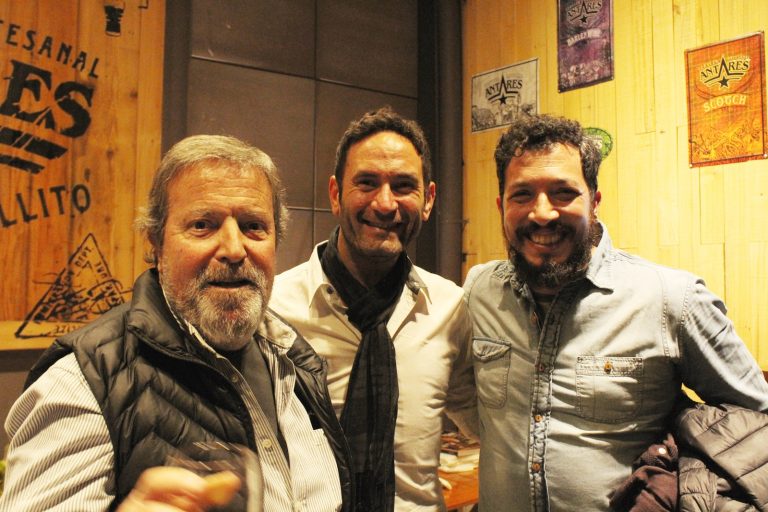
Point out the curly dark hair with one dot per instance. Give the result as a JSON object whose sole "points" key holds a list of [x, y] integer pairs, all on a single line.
{"points": [[383, 119], [538, 131]]}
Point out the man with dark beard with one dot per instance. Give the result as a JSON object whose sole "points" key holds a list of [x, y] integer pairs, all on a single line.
{"points": [[580, 349], [195, 357]]}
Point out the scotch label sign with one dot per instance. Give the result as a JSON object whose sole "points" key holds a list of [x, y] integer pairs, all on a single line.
{"points": [[726, 101]]}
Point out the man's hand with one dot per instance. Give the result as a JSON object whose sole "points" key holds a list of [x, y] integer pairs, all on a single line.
{"points": [[171, 489]]}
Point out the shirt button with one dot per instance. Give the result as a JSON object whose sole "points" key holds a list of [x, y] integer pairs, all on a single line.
{"points": [[266, 444], [538, 418], [234, 379], [541, 367], [534, 319], [535, 467]]}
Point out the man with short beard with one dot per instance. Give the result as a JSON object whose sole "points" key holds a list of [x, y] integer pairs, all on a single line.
{"points": [[396, 337], [195, 356], [580, 349]]}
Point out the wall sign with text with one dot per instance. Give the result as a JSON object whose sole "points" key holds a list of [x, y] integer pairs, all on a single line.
{"points": [[79, 141], [499, 95], [584, 43], [726, 101]]}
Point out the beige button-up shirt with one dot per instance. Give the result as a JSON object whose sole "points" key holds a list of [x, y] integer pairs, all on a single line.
{"points": [[431, 332]]}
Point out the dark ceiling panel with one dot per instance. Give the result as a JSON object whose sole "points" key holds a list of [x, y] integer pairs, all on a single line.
{"points": [[297, 245], [324, 224], [271, 111], [368, 44], [275, 35], [337, 106]]}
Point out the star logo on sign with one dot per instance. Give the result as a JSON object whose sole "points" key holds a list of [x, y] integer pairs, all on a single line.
{"points": [[584, 12], [502, 94], [724, 74]]}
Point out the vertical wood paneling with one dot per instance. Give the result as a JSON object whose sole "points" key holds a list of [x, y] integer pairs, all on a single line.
{"points": [[14, 255], [112, 135], [92, 191], [604, 116], [711, 204], [491, 45], [637, 48], [665, 143], [708, 220], [149, 118], [746, 267], [707, 19]]}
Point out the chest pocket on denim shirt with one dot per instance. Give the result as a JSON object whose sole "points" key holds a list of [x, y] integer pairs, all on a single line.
{"points": [[609, 389], [491, 370]]}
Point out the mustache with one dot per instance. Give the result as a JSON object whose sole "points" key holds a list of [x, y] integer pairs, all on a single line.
{"points": [[232, 274], [555, 226]]}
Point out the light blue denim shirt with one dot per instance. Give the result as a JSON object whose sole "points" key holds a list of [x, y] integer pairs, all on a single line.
{"points": [[567, 402]]}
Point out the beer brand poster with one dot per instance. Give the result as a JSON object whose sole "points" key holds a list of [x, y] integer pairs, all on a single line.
{"points": [[584, 43], [726, 101], [499, 95], [80, 118]]}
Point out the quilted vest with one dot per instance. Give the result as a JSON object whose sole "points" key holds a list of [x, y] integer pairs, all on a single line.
{"points": [[157, 391]]}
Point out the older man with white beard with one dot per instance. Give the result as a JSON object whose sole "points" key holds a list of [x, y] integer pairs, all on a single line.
{"points": [[196, 356]]}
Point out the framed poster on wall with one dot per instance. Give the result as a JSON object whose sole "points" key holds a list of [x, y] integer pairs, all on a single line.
{"points": [[725, 84], [584, 43], [499, 95]]}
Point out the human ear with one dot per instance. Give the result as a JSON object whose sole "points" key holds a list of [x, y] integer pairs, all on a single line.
{"points": [[429, 201], [333, 195]]}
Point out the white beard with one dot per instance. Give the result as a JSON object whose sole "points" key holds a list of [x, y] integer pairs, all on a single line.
{"points": [[227, 322]]}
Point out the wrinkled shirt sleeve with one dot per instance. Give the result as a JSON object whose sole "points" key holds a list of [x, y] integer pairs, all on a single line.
{"points": [[60, 456], [461, 402], [715, 362]]}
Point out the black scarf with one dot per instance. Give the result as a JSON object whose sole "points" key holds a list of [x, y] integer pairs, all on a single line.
{"points": [[370, 408]]}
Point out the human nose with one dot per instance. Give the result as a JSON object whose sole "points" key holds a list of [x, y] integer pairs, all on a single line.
{"points": [[231, 248], [543, 212], [384, 201]]}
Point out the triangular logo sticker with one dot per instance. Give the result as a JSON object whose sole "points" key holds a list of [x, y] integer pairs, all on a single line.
{"points": [[82, 292]]}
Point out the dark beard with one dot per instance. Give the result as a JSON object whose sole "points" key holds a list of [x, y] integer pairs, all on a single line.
{"points": [[553, 275]]}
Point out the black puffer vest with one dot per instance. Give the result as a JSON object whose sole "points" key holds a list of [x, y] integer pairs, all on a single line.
{"points": [[157, 392]]}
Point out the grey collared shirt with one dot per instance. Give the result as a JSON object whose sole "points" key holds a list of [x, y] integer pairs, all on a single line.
{"points": [[568, 401]]}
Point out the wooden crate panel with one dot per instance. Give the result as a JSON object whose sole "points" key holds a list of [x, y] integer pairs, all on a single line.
{"points": [[79, 139]]}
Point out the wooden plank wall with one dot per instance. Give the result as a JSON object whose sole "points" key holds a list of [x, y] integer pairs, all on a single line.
{"points": [[709, 220], [92, 86]]}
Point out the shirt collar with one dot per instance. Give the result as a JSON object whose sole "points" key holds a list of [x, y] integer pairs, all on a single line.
{"points": [[416, 284], [318, 279], [599, 270]]}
